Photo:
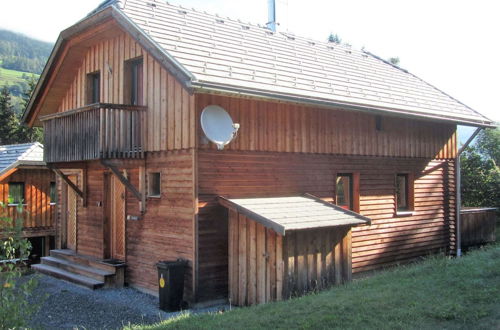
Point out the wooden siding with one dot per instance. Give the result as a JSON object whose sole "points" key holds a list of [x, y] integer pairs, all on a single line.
{"points": [[281, 127], [170, 122], [39, 213], [164, 232], [315, 259], [255, 257], [388, 240]]}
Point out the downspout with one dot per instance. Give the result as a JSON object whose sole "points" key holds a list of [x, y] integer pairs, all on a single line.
{"points": [[458, 197]]}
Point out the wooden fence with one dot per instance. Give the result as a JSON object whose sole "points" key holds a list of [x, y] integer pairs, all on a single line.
{"points": [[477, 226], [97, 131]]}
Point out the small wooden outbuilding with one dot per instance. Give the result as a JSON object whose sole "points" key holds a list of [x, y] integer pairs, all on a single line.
{"points": [[286, 246]]}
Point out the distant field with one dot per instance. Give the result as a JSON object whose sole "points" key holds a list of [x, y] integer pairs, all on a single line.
{"points": [[12, 77]]}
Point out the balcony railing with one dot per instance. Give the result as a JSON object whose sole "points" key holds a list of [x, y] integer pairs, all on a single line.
{"points": [[97, 131]]}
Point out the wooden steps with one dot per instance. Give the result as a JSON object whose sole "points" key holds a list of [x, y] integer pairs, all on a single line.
{"points": [[83, 270]]}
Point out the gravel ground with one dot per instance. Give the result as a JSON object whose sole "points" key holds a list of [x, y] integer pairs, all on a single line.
{"points": [[68, 306]]}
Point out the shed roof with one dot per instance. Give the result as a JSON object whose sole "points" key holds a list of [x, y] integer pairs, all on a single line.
{"points": [[14, 155], [283, 214]]}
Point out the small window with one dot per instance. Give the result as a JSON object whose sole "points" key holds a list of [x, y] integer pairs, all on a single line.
{"points": [[133, 82], [53, 193], [93, 87], [16, 192], [344, 191], [404, 192], [154, 184]]}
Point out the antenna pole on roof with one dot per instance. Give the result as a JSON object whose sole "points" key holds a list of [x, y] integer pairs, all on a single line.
{"points": [[271, 15]]}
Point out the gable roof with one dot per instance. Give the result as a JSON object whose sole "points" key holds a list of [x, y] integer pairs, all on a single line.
{"points": [[209, 53], [14, 155], [284, 214]]}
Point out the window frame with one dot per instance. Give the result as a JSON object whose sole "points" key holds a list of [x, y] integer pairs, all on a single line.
{"points": [[93, 92], [354, 189], [150, 184], [23, 193], [409, 194], [133, 85], [53, 185]]}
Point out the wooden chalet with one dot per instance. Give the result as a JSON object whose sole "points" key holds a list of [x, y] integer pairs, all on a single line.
{"points": [[25, 180], [343, 162]]}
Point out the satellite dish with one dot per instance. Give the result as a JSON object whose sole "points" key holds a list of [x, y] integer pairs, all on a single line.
{"points": [[218, 125]]}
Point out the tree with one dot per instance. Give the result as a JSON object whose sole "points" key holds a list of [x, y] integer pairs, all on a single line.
{"points": [[479, 171], [8, 121], [334, 38], [24, 133], [394, 60]]}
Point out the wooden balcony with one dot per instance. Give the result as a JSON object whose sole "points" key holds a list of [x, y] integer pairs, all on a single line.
{"points": [[97, 131]]}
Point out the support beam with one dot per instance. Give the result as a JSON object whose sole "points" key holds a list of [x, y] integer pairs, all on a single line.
{"points": [[126, 183], [69, 183]]}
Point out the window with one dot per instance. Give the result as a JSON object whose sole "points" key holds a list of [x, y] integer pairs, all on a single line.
{"points": [[154, 184], [16, 192], [404, 192], [93, 87], [53, 193], [343, 191], [133, 82]]}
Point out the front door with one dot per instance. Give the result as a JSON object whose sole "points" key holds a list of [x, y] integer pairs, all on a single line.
{"points": [[71, 232], [117, 218]]}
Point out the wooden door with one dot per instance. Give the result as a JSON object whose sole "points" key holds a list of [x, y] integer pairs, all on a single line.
{"points": [[71, 208], [117, 219]]}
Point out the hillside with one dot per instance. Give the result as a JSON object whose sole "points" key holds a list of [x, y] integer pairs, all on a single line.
{"points": [[21, 58], [21, 53]]}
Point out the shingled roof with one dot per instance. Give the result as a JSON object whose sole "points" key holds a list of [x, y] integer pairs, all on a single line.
{"points": [[14, 155], [211, 53], [223, 54], [284, 214]]}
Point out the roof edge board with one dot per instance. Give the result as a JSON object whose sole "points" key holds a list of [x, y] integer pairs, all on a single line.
{"points": [[80, 26], [183, 75], [352, 213], [172, 65], [206, 86]]}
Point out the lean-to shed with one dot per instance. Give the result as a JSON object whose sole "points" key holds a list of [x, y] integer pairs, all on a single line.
{"points": [[285, 246]]}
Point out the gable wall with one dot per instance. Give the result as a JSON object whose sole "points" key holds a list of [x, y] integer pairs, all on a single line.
{"points": [[169, 123]]}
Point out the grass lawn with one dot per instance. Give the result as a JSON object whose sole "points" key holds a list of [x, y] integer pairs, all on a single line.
{"points": [[439, 293]]}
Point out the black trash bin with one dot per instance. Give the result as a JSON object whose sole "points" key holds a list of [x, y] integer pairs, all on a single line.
{"points": [[171, 284]]}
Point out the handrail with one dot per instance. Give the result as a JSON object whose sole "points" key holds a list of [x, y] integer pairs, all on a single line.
{"points": [[93, 107]]}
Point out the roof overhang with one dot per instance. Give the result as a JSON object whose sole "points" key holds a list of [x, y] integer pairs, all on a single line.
{"points": [[283, 214], [11, 169], [209, 87]]}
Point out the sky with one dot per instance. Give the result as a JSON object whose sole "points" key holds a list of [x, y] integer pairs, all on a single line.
{"points": [[451, 44]]}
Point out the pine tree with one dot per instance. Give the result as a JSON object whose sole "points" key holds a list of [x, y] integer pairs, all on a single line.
{"points": [[8, 120], [24, 133]]}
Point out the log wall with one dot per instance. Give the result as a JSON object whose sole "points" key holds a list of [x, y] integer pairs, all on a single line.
{"points": [[39, 213], [390, 239], [280, 127], [170, 122]]}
